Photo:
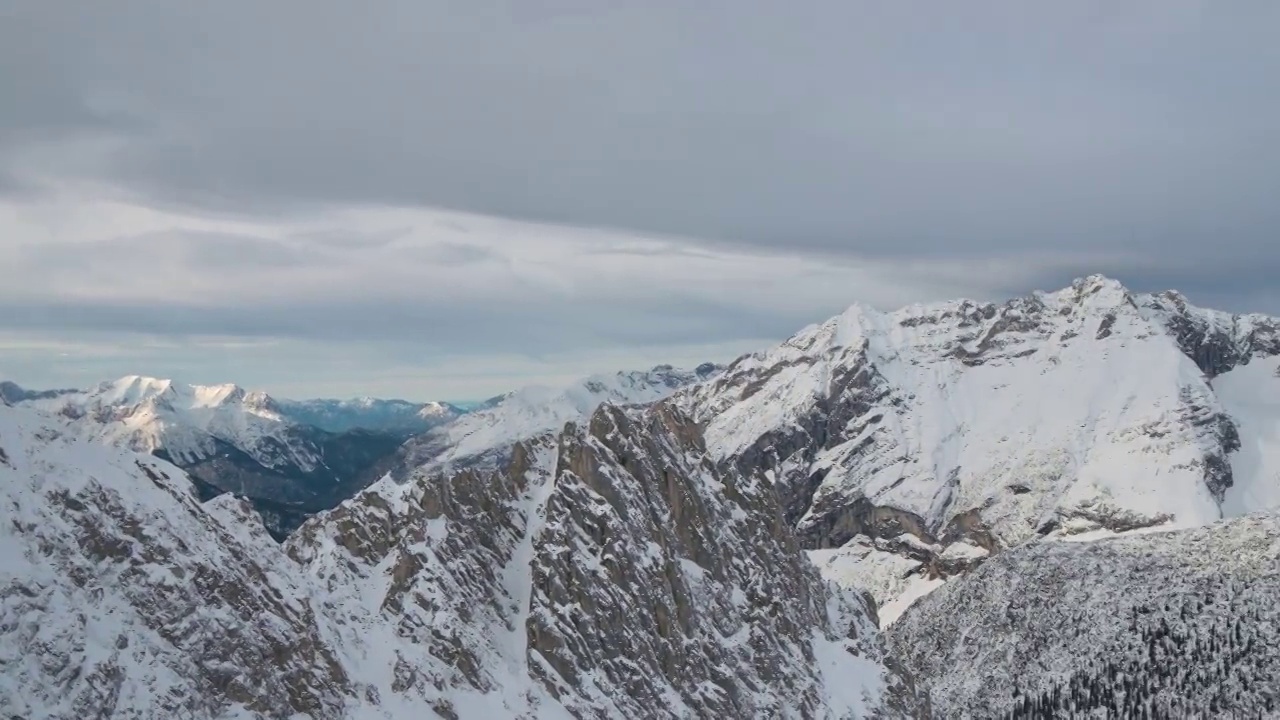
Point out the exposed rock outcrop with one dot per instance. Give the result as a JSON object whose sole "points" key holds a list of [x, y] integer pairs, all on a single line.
{"points": [[612, 571]]}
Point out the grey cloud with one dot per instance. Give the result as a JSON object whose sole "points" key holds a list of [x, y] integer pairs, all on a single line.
{"points": [[868, 128], [348, 239], [422, 330], [1137, 139], [450, 254], [193, 250]]}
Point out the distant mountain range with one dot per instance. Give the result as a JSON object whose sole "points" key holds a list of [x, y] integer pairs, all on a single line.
{"points": [[294, 458], [484, 436]]}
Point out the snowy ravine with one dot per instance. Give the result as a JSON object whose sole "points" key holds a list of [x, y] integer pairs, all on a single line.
{"points": [[908, 446], [610, 570], [1174, 624]]}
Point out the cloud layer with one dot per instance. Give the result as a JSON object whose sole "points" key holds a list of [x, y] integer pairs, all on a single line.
{"points": [[264, 171], [395, 289]]}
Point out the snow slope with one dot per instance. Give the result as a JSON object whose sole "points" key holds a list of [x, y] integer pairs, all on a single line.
{"points": [[489, 431], [231, 440], [1251, 395], [122, 596], [936, 429]]}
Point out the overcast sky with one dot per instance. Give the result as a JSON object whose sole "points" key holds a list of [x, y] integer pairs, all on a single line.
{"points": [[411, 197]]}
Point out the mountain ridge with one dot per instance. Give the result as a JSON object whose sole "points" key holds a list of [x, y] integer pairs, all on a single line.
{"points": [[228, 439], [294, 458], [476, 596], [483, 436], [909, 445]]}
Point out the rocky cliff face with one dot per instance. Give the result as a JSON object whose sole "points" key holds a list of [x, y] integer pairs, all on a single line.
{"points": [[1218, 342], [907, 446], [612, 570], [121, 596], [1166, 624]]}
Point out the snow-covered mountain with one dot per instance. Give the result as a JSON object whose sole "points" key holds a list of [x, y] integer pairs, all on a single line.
{"points": [[125, 597], [374, 414], [229, 440], [909, 445], [294, 458], [1164, 624], [611, 570], [187, 422], [484, 435]]}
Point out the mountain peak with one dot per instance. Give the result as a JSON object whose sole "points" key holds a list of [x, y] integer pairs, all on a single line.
{"points": [[1096, 282], [139, 389], [134, 389], [1094, 292], [11, 392]]}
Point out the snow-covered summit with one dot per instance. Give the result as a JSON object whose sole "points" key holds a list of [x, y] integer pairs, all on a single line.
{"points": [[185, 421], [1087, 409], [1217, 341]]}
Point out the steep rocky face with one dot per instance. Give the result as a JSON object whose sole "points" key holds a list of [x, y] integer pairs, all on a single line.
{"points": [[612, 571], [1167, 624], [1217, 341], [122, 596], [915, 443]]}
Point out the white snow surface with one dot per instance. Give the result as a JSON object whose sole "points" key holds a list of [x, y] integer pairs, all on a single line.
{"points": [[1079, 421], [186, 421], [537, 409], [1251, 395]]}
